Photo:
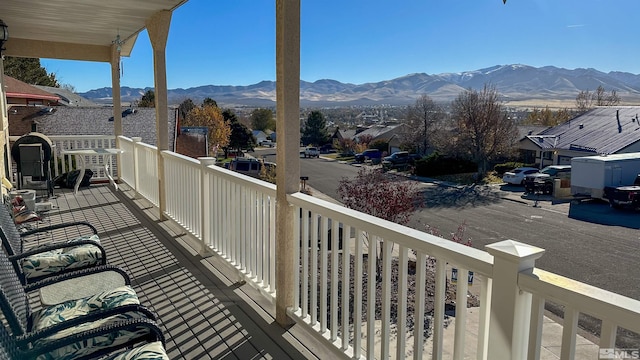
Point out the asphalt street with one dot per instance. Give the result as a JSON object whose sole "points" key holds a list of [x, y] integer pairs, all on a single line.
{"points": [[586, 241]]}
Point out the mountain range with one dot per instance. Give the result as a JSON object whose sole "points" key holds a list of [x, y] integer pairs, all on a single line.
{"points": [[515, 83]]}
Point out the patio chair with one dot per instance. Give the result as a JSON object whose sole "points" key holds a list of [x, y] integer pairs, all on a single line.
{"points": [[38, 262], [154, 349], [80, 328]]}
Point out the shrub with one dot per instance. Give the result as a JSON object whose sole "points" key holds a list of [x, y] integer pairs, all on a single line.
{"points": [[438, 164]]}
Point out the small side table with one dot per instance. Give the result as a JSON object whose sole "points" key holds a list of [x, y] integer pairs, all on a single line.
{"points": [[80, 158]]}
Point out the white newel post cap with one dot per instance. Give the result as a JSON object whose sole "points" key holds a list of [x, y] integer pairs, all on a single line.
{"points": [[516, 252], [206, 161]]}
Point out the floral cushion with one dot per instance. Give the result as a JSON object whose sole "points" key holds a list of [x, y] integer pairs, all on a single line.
{"points": [[151, 351], [54, 261], [71, 309]]}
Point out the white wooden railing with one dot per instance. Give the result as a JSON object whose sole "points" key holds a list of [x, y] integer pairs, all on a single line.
{"points": [[95, 163], [234, 216]]}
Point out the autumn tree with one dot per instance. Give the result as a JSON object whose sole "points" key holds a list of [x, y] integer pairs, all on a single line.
{"points": [[547, 117], [389, 197], [315, 130], [262, 119], [484, 131], [148, 99], [587, 100], [218, 130], [424, 119], [30, 71]]}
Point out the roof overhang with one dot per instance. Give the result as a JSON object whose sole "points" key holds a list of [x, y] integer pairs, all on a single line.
{"points": [[76, 29]]}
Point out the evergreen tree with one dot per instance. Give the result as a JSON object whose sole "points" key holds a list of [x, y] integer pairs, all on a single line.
{"points": [[209, 102], [185, 107], [148, 99], [262, 119], [30, 71], [315, 130], [241, 137]]}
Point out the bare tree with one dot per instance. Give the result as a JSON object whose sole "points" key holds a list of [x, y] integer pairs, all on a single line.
{"points": [[587, 100], [484, 131], [424, 119]]}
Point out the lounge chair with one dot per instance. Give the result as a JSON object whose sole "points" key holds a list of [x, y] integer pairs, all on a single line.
{"points": [[79, 328], [52, 258]]}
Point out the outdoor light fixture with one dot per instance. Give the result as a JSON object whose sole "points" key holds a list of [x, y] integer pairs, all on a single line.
{"points": [[4, 34]]}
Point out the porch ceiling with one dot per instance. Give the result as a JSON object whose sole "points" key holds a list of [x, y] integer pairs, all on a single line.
{"points": [[76, 29]]}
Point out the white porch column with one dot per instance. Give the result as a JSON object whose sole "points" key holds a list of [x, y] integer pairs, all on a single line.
{"points": [[158, 29], [117, 106], [510, 308], [288, 149]]}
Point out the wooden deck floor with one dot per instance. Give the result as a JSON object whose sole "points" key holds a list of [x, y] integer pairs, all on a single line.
{"points": [[205, 311]]}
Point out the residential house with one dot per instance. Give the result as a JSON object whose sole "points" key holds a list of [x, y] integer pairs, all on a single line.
{"points": [[260, 136], [21, 93], [67, 97], [603, 130], [61, 120], [391, 134]]}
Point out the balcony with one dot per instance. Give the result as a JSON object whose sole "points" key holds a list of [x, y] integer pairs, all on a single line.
{"points": [[209, 271]]}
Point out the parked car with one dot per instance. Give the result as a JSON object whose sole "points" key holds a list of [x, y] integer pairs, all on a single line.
{"points": [[542, 182], [397, 160], [267, 143], [249, 166], [311, 151], [517, 175], [374, 155]]}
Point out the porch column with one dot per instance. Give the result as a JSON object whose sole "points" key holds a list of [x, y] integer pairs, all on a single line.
{"points": [[5, 164], [288, 149], [510, 308], [158, 29], [117, 106]]}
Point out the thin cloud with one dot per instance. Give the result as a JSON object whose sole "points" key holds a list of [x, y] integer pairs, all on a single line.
{"points": [[576, 25]]}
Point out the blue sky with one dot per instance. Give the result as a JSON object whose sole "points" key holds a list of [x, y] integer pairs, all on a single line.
{"points": [[232, 42]]}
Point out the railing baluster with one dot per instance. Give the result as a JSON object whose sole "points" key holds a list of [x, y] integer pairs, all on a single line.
{"points": [[402, 302], [346, 278], [418, 333], [357, 301], [569, 331], [608, 334], [438, 304], [535, 327], [387, 246], [314, 269], [323, 274], [484, 316], [371, 296], [461, 313], [304, 239], [335, 237], [296, 255]]}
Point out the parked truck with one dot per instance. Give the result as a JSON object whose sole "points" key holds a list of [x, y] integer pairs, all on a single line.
{"points": [[590, 175], [624, 196]]}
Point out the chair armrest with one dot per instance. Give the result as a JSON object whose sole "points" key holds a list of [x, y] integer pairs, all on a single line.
{"points": [[60, 245], [92, 316], [132, 325], [60, 226], [58, 279]]}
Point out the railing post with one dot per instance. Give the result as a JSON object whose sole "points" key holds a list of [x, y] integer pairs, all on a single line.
{"points": [[206, 197], [136, 178], [510, 308]]}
